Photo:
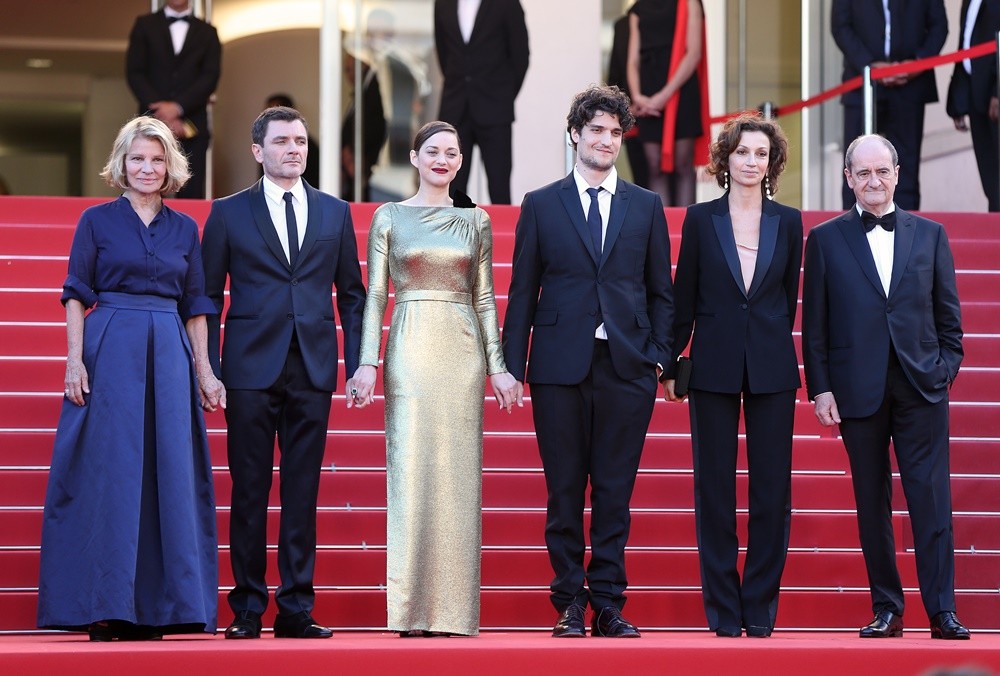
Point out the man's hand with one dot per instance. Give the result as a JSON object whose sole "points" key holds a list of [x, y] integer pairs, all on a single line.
{"points": [[994, 108], [826, 409], [166, 111], [960, 123]]}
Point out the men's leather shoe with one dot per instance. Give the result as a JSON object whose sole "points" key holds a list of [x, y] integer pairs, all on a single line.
{"points": [[886, 624], [947, 626], [758, 632], [245, 625], [609, 622], [300, 625], [729, 632], [572, 622]]}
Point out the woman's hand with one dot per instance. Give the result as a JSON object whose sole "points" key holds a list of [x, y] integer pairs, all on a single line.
{"points": [[76, 383], [668, 392], [361, 387], [507, 390], [211, 391], [645, 107]]}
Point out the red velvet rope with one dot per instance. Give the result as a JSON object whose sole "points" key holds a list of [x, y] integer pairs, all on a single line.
{"points": [[877, 73]]}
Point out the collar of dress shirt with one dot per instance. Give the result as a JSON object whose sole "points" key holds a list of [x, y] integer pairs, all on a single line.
{"points": [[172, 13], [857, 207], [610, 182], [276, 193]]}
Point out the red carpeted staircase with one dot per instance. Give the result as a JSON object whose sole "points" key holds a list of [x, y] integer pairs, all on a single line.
{"points": [[824, 586]]}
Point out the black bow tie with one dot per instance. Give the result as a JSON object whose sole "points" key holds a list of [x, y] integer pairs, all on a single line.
{"points": [[870, 220], [171, 19]]}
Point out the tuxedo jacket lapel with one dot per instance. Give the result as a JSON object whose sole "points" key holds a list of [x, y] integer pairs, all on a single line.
{"points": [[574, 209], [854, 234], [262, 218], [723, 224], [765, 247], [313, 220], [901, 247], [485, 7], [619, 208]]}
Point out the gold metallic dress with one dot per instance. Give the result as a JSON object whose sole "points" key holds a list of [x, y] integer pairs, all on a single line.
{"points": [[443, 340]]}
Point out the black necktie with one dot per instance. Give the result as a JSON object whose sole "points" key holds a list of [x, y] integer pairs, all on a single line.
{"points": [[171, 19], [594, 220], [293, 230], [870, 220]]}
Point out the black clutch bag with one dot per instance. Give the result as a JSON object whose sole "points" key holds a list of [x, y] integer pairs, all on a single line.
{"points": [[683, 378]]}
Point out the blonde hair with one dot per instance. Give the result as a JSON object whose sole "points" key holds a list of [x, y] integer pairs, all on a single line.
{"points": [[178, 172]]}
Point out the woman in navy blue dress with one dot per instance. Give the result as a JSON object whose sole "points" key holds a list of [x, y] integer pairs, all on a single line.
{"points": [[129, 548]]}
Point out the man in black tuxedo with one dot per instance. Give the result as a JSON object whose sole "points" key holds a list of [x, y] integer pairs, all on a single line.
{"points": [[284, 247], [591, 285], [882, 342], [973, 93], [482, 47], [879, 33], [172, 67]]}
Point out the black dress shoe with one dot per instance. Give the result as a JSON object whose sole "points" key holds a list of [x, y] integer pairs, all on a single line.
{"points": [[758, 632], [609, 622], [729, 632], [886, 624], [571, 622], [947, 626], [100, 632], [245, 625], [300, 625]]}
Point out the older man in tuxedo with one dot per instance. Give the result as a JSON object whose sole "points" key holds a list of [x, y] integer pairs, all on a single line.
{"points": [[284, 247], [879, 33], [172, 66], [482, 47], [882, 341], [591, 285]]}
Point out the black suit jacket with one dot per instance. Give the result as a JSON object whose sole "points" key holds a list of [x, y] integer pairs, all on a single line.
{"points": [[558, 282], [268, 298], [481, 78], [919, 29], [155, 73], [737, 329], [848, 322], [971, 93]]}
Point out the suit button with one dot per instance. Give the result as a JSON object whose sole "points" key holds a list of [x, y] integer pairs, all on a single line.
{"points": [[290, 316], [295, 281], [744, 306]]}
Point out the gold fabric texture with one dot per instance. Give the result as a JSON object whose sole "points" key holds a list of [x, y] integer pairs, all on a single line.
{"points": [[443, 340]]}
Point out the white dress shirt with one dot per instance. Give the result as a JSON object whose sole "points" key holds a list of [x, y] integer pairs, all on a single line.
{"points": [[881, 241], [274, 196], [467, 10], [178, 29], [970, 23], [609, 185], [888, 27]]}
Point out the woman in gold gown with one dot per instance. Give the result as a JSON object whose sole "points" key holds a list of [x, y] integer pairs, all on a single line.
{"points": [[443, 342]]}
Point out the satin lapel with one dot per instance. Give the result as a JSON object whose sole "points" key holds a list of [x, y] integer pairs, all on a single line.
{"points": [[192, 37], [451, 13], [314, 218], [619, 208], [165, 38], [765, 247], [574, 209], [484, 7], [262, 217], [901, 247], [724, 231], [854, 234]]}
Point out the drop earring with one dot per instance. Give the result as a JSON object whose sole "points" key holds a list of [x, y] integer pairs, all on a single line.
{"points": [[767, 187], [725, 180]]}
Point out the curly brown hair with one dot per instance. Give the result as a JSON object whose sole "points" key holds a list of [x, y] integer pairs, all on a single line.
{"points": [[729, 139], [607, 98]]}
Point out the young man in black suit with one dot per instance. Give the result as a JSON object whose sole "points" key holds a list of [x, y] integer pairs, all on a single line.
{"points": [[172, 67], [882, 342], [879, 33], [482, 48], [591, 285], [973, 93], [285, 247]]}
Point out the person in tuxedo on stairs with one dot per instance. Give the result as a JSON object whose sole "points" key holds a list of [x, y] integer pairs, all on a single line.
{"points": [[882, 343], [591, 285], [284, 246]]}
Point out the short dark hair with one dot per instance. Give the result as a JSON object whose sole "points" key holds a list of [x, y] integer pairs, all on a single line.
{"points": [[280, 100], [431, 128], [849, 155], [729, 140], [280, 113], [607, 98]]}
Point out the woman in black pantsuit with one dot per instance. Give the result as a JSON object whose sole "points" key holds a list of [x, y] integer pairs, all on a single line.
{"points": [[736, 287]]}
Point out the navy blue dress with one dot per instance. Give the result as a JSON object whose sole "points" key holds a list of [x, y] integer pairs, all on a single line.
{"points": [[129, 527]]}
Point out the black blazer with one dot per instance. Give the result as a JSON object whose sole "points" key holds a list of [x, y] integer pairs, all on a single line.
{"points": [[558, 281], [968, 93], [155, 73], [919, 29], [737, 329], [267, 298], [481, 78], [848, 323]]}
